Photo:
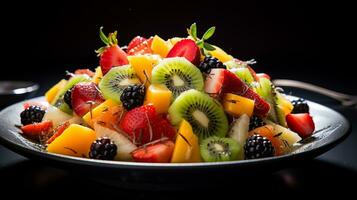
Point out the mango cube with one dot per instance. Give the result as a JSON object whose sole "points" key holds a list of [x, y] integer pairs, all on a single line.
{"points": [[159, 96], [220, 54], [143, 64], [90, 117], [97, 75], [52, 92], [237, 105], [186, 149], [74, 141], [160, 46]]}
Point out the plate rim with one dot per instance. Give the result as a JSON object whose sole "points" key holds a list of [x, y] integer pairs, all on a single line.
{"points": [[32, 153]]}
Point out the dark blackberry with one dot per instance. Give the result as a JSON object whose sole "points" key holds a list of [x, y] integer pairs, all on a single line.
{"points": [[209, 63], [257, 146], [255, 122], [133, 96], [68, 97], [300, 106], [31, 115], [103, 149]]}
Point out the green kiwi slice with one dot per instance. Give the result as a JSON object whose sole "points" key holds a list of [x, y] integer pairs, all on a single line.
{"points": [[116, 80], [216, 149], [58, 100], [178, 74], [204, 113]]}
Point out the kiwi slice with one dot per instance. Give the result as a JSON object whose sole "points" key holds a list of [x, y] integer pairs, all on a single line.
{"points": [[216, 149], [58, 100], [244, 74], [178, 74], [204, 113], [267, 91], [116, 80]]}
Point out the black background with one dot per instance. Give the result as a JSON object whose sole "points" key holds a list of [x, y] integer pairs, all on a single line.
{"points": [[301, 40]]}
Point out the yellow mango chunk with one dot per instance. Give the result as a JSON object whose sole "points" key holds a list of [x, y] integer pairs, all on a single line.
{"points": [[285, 105], [237, 105], [97, 75], [160, 46], [186, 149], [174, 40], [220, 54], [143, 64], [52, 92], [159, 96], [74, 141], [90, 117]]}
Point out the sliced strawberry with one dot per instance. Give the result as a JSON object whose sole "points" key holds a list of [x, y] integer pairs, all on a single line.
{"points": [[263, 75], [84, 71], [157, 152], [301, 123], [85, 96], [143, 125], [188, 49], [221, 81], [112, 57], [36, 130], [135, 42], [59, 130], [142, 48]]}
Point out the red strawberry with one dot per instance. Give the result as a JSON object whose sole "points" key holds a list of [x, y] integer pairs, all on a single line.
{"points": [[59, 130], [188, 49], [135, 42], [111, 55], [36, 130], [84, 71], [85, 96], [142, 48], [301, 123], [143, 125], [157, 152], [221, 81], [263, 75]]}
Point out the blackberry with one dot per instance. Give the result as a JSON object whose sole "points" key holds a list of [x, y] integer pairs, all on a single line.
{"points": [[300, 106], [257, 146], [31, 115], [68, 97], [209, 63], [133, 96], [103, 149], [255, 122]]}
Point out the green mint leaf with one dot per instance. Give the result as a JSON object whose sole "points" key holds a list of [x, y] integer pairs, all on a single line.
{"points": [[102, 36], [193, 31], [209, 33], [209, 47], [199, 43]]}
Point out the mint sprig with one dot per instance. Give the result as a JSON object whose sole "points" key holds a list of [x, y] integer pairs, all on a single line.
{"points": [[201, 42], [109, 40]]}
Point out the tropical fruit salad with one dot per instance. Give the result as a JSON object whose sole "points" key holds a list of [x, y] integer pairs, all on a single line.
{"points": [[181, 100]]}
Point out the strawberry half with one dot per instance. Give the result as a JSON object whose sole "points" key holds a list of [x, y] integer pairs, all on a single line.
{"points": [[36, 130], [221, 81], [301, 123], [84, 71], [157, 152], [135, 42], [111, 55], [142, 48], [85, 96], [143, 125], [188, 49]]}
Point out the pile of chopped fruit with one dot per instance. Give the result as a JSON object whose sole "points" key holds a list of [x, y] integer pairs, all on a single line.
{"points": [[178, 100]]}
